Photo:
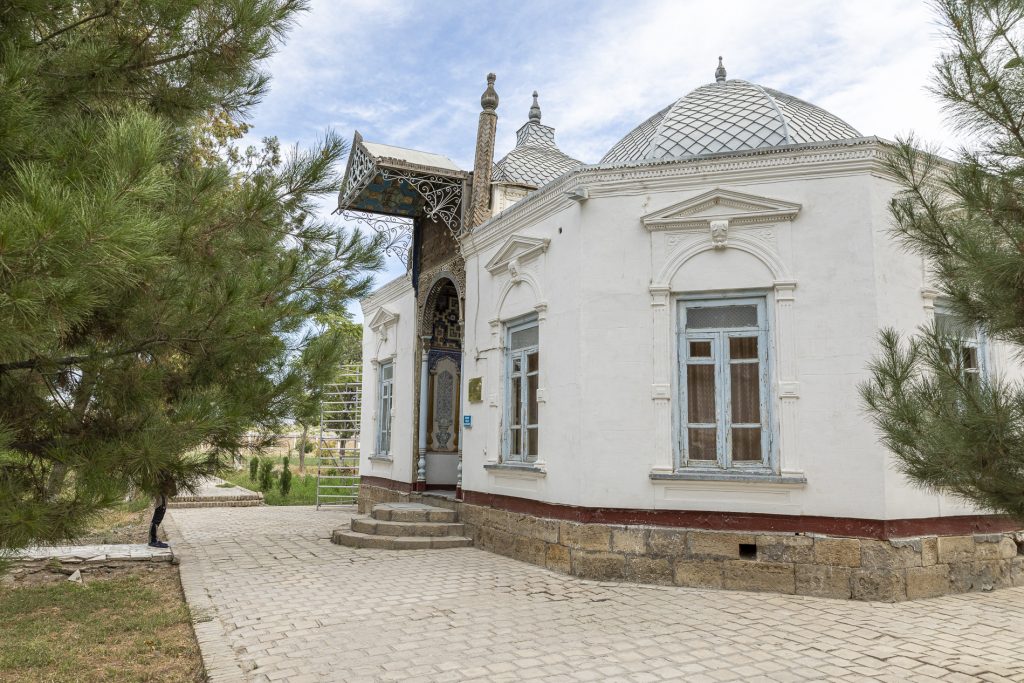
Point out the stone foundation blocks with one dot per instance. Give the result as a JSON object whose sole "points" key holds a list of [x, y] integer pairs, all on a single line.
{"points": [[823, 581], [814, 565]]}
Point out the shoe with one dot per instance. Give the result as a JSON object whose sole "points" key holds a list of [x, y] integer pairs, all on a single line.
{"points": [[158, 544]]}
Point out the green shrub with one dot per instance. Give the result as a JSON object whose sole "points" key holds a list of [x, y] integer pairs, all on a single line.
{"points": [[266, 475], [309, 446], [285, 482], [254, 467]]}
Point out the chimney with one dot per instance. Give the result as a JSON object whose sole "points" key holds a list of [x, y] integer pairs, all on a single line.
{"points": [[484, 162]]}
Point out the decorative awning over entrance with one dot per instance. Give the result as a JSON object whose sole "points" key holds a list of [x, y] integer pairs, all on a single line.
{"points": [[388, 187]]}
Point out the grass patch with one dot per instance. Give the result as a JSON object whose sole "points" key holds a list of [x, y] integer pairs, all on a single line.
{"points": [[129, 628], [303, 487], [225, 485]]}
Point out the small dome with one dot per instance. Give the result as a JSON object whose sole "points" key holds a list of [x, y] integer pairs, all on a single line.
{"points": [[536, 159], [727, 116]]}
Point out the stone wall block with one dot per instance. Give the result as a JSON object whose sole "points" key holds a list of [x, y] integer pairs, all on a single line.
{"points": [[597, 565], [649, 570], [667, 541], [534, 527], [823, 581], [472, 514], [928, 582], [629, 540], [780, 548], [585, 536], [839, 552], [714, 544], [886, 555], [528, 549], [497, 541], [749, 575], [929, 551], [556, 557], [955, 549], [980, 575], [496, 519], [1017, 571], [879, 585], [994, 547], [698, 573]]}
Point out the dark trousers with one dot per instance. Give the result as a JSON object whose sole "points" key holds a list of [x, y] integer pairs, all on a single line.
{"points": [[158, 516]]}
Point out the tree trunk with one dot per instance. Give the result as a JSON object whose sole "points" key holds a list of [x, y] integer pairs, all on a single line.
{"points": [[302, 450]]}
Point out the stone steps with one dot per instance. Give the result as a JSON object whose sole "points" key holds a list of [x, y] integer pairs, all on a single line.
{"points": [[354, 539], [404, 526], [378, 527], [213, 494], [412, 512]]}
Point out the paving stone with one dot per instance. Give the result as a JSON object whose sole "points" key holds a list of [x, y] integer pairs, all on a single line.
{"points": [[276, 600]]}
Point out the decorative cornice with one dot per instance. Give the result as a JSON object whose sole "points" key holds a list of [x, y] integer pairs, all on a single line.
{"points": [[517, 249], [736, 208], [382, 319], [859, 155], [386, 293]]}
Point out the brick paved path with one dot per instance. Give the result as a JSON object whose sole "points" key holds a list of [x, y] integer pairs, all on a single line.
{"points": [[278, 601]]}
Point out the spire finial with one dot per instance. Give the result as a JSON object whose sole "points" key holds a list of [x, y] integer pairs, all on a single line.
{"points": [[535, 109], [489, 100], [720, 72]]}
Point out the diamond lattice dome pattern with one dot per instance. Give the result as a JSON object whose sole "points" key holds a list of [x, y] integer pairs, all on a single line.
{"points": [[728, 116]]}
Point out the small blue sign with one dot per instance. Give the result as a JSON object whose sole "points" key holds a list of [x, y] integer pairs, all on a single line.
{"points": [[467, 420]]}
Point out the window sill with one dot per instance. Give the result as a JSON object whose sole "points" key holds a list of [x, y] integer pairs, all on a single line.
{"points": [[381, 458], [738, 477], [526, 469]]}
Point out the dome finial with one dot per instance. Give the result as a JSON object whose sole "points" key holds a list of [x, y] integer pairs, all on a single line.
{"points": [[489, 100], [720, 72], [535, 109]]}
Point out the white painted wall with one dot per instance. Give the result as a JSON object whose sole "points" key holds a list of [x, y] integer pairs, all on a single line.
{"points": [[399, 347]]}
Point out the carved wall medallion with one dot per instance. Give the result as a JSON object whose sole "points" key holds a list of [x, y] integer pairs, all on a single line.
{"points": [[720, 233]]}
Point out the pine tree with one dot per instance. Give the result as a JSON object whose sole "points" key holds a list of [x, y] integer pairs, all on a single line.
{"points": [[949, 431], [153, 295]]}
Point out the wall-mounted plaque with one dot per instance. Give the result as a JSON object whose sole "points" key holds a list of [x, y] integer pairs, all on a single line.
{"points": [[476, 389]]}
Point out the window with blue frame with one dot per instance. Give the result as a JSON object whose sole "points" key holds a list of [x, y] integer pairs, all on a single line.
{"points": [[385, 384], [522, 375], [723, 382]]}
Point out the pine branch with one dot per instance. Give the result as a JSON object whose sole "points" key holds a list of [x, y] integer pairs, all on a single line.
{"points": [[85, 20]]}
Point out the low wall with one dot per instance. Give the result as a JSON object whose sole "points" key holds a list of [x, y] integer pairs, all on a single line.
{"points": [[804, 564]]}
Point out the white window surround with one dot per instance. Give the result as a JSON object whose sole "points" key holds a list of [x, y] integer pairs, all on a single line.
{"points": [[715, 341], [782, 396], [384, 410], [517, 373]]}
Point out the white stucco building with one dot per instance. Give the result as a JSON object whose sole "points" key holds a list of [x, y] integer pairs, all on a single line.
{"points": [[669, 339]]}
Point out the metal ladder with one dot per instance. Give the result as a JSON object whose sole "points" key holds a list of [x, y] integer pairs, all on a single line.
{"points": [[337, 465]]}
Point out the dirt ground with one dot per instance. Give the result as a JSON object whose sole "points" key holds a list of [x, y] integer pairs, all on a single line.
{"points": [[124, 524]]}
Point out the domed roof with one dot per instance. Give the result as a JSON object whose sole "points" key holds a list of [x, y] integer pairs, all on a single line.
{"points": [[726, 116], [536, 159]]}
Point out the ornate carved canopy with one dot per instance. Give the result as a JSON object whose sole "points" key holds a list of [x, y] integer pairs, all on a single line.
{"points": [[388, 187]]}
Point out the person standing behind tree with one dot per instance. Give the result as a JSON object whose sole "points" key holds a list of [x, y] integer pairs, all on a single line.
{"points": [[167, 489]]}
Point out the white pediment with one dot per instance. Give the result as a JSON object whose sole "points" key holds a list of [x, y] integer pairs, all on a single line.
{"points": [[518, 249], [382, 319], [717, 205]]}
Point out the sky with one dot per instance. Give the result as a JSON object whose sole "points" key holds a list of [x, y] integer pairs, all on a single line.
{"points": [[410, 73]]}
